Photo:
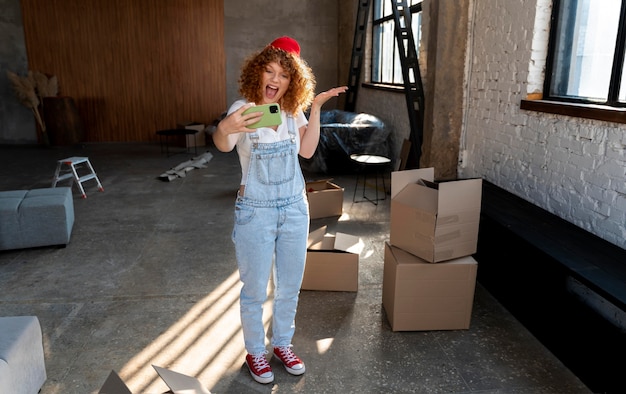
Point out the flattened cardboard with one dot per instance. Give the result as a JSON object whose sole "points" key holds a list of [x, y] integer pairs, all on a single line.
{"points": [[420, 296], [434, 221], [114, 385], [332, 262], [177, 382], [325, 199], [180, 383]]}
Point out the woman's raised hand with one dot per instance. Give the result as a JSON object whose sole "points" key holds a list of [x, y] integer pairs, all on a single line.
{"points": [[323, 97]]}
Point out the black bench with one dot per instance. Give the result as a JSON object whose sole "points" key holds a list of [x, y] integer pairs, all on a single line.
{"points": [[528, 259], [595, 262]]}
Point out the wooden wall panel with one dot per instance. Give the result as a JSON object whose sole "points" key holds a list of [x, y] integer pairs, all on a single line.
{"points": [[132, 66]]}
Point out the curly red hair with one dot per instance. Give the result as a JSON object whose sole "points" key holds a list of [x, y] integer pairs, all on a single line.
{"points": [[301, 90]]}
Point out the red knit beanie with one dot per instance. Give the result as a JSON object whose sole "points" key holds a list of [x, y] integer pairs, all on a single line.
{"points": [[287, 44]]}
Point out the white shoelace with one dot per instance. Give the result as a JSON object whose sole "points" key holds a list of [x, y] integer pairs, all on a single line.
{"points": [[287, 354], [259, 362]]}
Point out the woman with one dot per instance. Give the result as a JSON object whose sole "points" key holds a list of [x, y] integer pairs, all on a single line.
{"points": [[271, 211]]}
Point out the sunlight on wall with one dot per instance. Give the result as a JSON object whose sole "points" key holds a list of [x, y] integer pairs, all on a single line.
{"points": [[205, 343]]}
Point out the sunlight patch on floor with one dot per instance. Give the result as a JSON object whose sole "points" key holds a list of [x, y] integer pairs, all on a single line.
{"points": [[324, 344], [205, 343]]}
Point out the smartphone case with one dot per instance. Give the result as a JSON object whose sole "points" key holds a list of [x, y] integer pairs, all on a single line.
{"points": [[271, 115]]}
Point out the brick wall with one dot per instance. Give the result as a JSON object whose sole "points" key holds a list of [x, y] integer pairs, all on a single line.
{"points": [[572, 167]]}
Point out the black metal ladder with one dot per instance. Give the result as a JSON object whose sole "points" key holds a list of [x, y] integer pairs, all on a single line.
{"points": [[358, 52], [414, 90]]}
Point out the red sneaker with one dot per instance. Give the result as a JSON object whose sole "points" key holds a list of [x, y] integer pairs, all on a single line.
{"points": [[259, 368], [292, 363]]}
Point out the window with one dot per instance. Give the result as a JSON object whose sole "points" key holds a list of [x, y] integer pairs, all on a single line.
{"points": [[386, 68], [586, 52]]}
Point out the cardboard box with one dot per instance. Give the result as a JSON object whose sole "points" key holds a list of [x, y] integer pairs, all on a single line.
{"points": [[197, 139], [434, 221], [420, 296], [332, 262], [325, 199]]}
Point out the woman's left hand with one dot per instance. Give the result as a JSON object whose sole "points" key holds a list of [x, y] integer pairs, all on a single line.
{"points": [[323, 97]]}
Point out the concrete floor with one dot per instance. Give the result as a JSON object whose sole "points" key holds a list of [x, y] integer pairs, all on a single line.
{"points": [[149, 278]]}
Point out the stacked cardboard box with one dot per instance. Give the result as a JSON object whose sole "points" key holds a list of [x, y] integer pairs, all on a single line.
{"points": [[418, 295], [332, 261], [429, 274], [325, 199]]}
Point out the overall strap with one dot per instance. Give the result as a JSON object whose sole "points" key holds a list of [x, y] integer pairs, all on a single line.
{"points": [[254, 137], [291, 127]]}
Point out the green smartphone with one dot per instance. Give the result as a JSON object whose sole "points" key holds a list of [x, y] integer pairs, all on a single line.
{"points": [[271, 115]]}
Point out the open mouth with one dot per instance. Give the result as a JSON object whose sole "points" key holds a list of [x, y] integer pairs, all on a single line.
{"points": [[270, 92]]}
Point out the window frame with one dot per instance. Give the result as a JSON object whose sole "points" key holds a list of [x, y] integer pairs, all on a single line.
{"points": [[616, 69], [612, 110], [415, 9]]}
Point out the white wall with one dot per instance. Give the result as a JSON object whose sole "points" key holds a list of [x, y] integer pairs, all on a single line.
{"points": [[572, 167]]}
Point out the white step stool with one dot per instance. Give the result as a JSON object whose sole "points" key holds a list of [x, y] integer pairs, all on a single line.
{"points": [[71, 167]]}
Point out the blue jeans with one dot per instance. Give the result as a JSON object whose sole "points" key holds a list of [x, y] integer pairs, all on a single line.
{"points": [[262, 235]]}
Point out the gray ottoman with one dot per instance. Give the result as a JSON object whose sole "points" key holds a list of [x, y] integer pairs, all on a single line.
{"points": [[37, 217], [22, 365]]}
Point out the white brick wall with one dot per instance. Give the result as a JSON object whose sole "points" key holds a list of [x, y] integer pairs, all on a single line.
{"points": [[572, 167]]}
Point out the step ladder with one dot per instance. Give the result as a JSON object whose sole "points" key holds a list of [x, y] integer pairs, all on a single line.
{"points": [[79, 169]]}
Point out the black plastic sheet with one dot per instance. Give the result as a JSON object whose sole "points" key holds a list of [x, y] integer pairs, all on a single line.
{"points": [[344, 133]]}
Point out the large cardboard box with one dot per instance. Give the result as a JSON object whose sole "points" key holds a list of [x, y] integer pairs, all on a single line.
{"points": [[325, 199], [420, 296], [198, 139], [332, 262], [436, 221]]}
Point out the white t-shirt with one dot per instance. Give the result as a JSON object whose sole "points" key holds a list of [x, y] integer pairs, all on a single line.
{"points": [[266, 135]]}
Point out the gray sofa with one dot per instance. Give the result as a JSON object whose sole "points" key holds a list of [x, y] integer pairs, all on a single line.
{"points": [[37, 217], [22, 364]]}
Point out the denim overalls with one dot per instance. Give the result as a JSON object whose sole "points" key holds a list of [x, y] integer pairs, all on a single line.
{"points": [[271, 222]]}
